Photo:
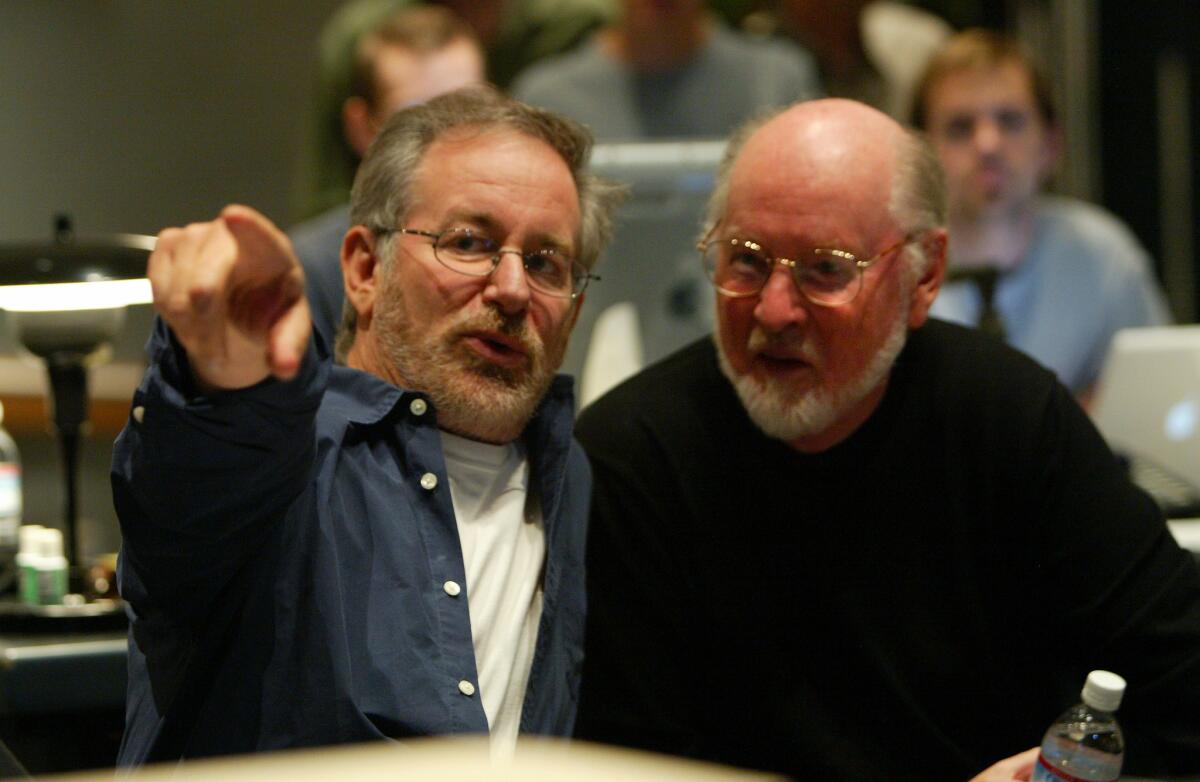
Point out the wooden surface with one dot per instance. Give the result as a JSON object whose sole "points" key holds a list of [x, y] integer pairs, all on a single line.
{"points": [[30, 415], [24, 392]]}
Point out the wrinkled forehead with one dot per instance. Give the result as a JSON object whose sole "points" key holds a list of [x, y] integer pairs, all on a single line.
{"points": [[497, 176]]}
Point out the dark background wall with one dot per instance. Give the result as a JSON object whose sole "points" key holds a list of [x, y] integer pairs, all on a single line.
{"points": [[135, 114], [131, 115], [1149, 120]]}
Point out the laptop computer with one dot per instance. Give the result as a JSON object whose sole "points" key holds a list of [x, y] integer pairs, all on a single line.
{"points": [[1148, 408]]}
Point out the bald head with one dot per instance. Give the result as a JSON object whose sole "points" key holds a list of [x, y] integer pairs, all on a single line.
{"points": [[839, 155], [837, 121], [839, 152]]}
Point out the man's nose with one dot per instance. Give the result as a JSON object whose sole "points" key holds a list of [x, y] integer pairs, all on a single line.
{"points": [[986, 136], [780, 303], [507, 287]]}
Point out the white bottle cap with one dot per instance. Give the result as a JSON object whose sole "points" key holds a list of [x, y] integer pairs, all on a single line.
{"points": [[1103, 690], [28, 535], [50, 542]]}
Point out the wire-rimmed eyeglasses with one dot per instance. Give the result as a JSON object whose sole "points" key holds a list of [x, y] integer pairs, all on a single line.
{"points": [[474, 253], [825, 276]]}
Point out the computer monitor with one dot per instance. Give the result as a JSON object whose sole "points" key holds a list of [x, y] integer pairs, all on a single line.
{"points": [[652, 262]]}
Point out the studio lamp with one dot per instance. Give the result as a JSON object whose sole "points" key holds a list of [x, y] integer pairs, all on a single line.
{"points": [[65, 302]]}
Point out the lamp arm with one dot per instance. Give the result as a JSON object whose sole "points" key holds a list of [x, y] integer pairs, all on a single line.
{"points": [[69, 392]]}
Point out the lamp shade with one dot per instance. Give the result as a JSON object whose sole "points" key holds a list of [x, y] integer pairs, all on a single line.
{"points": [[88, 274], [65, 301]]}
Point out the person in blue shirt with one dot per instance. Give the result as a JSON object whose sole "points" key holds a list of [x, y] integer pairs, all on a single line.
{"points": [[1054, 276], [315, 553]]}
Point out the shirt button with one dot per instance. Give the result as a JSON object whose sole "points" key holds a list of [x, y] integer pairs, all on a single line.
{"points": [[451, 588], [466, 688], [139, 413], [429, 481], [418, 406]]}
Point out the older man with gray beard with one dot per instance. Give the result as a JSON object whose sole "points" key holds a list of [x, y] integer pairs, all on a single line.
{"points": [[843, 541]]}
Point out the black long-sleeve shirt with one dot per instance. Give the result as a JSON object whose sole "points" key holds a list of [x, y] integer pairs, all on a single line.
{"points": [[917, 602]]}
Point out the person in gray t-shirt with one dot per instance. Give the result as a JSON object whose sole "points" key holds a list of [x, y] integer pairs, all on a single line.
{"points": [[669, 71]]}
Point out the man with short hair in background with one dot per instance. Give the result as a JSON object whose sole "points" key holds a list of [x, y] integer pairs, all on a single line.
{"points": [[1055, 276], [844, 541], [318, 554], [513, 33], [413, 55]]}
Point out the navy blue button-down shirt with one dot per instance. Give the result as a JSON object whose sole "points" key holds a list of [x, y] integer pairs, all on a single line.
{"points": [[283, 565]]}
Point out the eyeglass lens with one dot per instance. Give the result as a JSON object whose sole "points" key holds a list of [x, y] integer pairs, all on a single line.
{"points": [[547, 270], [741, 268]]}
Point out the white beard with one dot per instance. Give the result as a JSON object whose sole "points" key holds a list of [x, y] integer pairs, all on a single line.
{"points": [[787, 414]]}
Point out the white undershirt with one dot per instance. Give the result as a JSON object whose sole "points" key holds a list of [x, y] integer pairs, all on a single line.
{"points": [[504, 547]]}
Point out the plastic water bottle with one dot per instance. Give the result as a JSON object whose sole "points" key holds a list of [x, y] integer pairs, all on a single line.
{"points": [[1085, 742], [43, 568]]}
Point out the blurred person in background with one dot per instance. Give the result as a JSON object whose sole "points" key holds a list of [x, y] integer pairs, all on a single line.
{"points": [[513, 33], [413, 55], [669, 69], [872, 51], [1054, 276]]}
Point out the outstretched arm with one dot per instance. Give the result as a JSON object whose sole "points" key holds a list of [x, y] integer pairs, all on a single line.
{"points": [[212, 457]]}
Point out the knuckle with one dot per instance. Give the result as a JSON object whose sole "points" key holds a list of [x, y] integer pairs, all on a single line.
{"points": [[166, 238], [175, 305], [200, 293], [195, 233]]}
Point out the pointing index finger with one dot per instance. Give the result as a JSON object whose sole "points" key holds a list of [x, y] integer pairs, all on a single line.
{"points": [[254, 232]]}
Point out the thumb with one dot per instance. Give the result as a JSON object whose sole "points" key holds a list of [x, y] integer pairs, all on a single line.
{"points": [[1025, 764]]}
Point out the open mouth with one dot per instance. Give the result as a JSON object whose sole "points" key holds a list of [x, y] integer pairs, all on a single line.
{"points": [[782, 364], [498, 349], [781, 359]]}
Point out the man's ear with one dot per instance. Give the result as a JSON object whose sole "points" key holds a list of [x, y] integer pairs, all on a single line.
{"points": [[927, 287], [361, 269], [358, 124]]}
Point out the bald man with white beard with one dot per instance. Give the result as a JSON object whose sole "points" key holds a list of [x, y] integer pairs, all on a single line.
{"points": [[844, 541]]}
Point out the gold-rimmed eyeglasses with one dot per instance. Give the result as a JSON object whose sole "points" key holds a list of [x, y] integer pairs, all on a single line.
{"points": [[825, 276], [472, 252]]}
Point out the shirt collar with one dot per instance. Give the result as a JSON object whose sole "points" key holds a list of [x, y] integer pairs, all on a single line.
{"points": [[362, 398]]}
